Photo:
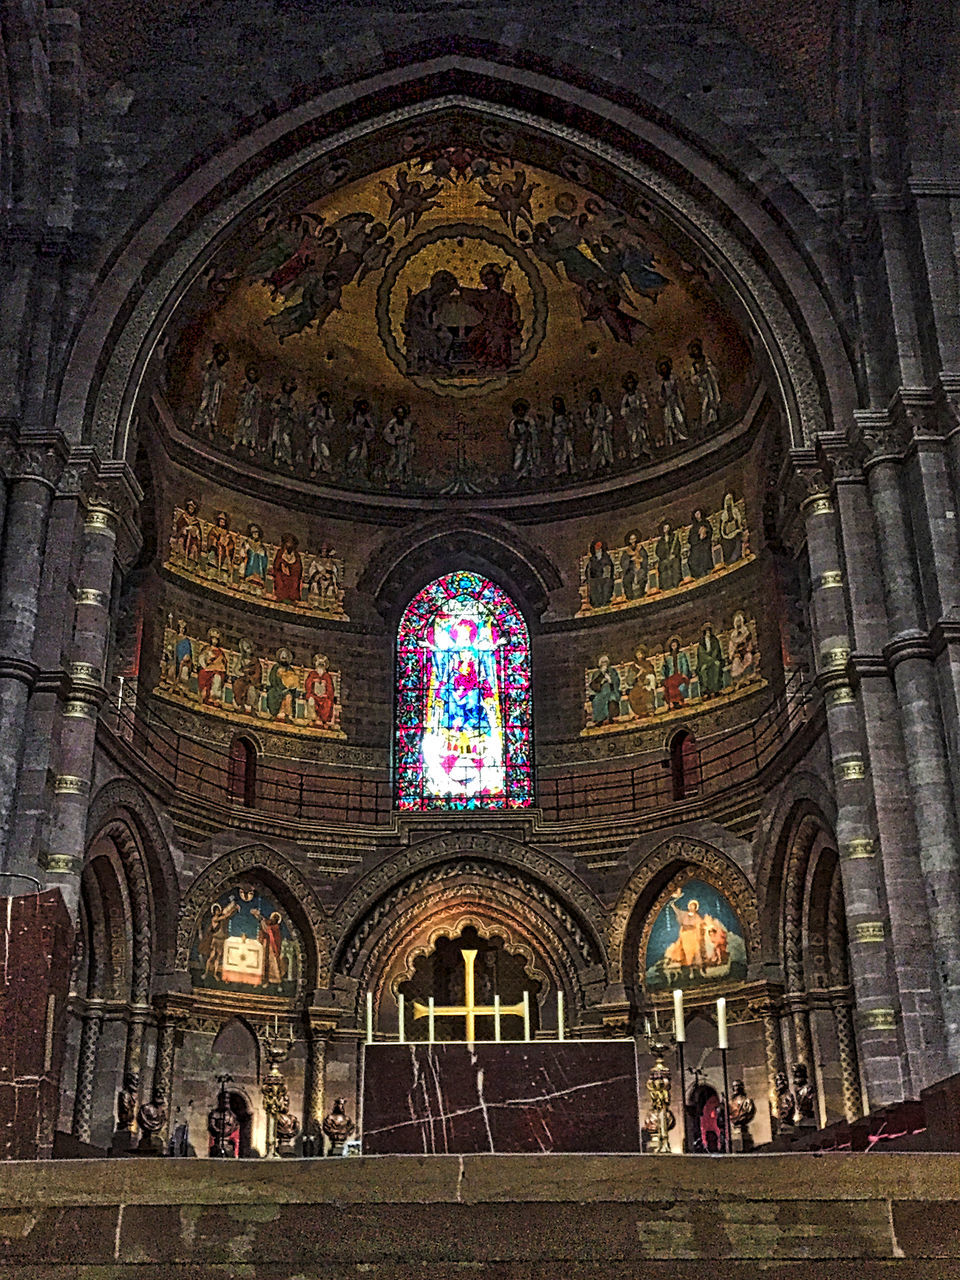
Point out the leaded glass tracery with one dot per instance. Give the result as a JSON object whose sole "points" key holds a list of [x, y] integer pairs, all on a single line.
{"points": [[464, 734]]}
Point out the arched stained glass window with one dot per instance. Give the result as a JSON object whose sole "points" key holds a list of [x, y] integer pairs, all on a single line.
{"points": [[463, 700]]}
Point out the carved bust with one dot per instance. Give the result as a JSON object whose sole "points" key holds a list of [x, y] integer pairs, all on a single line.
{"points": [[127, 1100], [337, 1125], [785, 1103], [805, 1098], [152, 1114], [742, 1108]]}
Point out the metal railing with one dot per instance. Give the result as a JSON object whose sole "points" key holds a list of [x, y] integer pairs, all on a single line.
{"points": [[298, 791]]}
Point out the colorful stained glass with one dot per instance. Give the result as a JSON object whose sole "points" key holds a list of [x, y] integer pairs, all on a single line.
{"points": [[463, 701]]}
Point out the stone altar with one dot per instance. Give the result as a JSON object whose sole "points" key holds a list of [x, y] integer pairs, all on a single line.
{"points": [[457, 1098]]}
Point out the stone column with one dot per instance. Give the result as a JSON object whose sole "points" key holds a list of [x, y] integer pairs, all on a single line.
{"points": [[908, 655], [904, 925], [871, 967], [68, 820], [847, 1049], [21, 560], [773, 1051], [319, 1030], [139, 1016], [795, 1003], [91, 1027], [168, 1024]]}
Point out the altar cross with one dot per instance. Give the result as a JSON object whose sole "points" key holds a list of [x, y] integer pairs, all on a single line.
{"points": [[470, 1010]]}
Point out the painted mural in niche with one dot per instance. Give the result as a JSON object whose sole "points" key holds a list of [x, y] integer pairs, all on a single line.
{"points": [[232, 557], [695, 939], [667, 562], [244, 942], [458, 318], [675, 680], [236, 682]]}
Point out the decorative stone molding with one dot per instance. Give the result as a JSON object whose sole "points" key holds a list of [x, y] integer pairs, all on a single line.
{"points": [[248, 861], [860, 848], [869, 931], [878, 1019], [882, 438], [907, 646], [527, 865], [693, 856]]}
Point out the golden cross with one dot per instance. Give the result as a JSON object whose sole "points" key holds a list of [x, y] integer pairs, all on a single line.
{"points": [[469, 1009]]}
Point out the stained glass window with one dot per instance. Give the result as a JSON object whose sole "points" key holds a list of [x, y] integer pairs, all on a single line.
{"points": [[463, 701]]}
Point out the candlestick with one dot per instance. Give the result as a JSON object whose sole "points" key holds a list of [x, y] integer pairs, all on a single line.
{"points": [[526, 1015], [679, 1030], [369, 1017], [721, 1023], [683, 1082], [496, 1019], [559, 1015], [726, 1099], [401, 1029], [430, 1020]]}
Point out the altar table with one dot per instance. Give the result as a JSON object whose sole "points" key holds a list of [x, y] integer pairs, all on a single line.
{"points": [[458, 1098]]}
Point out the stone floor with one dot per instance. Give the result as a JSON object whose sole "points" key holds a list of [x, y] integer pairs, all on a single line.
{"points": [[509, 1217]]}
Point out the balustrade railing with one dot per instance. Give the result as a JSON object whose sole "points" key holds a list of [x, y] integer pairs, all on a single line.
{"points": [[298, 791]]}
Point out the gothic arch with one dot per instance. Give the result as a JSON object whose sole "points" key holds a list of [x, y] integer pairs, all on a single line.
{"points": [[648, 883], [279, 873], [547, 881], [730, 235]]}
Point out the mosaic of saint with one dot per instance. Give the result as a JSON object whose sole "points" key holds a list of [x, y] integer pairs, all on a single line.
{"points": [[665, 562], [244, 942], [238, 682], [695, 939], [239, 562], [458, 321], [670, 681], [463, 713]]}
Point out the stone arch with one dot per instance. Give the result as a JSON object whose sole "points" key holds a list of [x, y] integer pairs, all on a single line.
{"points": [[484, 544], [651, 881], [548, 881], [443, 900], [120, 811], [279, 873], [731, 235]]}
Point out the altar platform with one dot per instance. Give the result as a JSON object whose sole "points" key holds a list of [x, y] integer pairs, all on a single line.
{"points": [[551, 1217]]}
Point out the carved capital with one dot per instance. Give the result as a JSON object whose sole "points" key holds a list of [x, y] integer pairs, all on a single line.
{"points": [[841, 458], [882, 437]]}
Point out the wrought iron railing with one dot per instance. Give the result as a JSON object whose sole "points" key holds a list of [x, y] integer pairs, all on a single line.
{"points": [[298, 791]]}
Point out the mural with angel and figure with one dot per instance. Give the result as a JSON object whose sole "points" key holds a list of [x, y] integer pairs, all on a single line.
{"points": [[338, 336], [695, 939], [245, 942]]}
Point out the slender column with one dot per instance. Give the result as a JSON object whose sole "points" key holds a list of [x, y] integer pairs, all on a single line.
{"points": [[64, 854], [908, 654], [90, 1030], [21, 560], [872, 971], [319, 1029], [847, 1050], [168, 1023], [136, 1027], [802, 1036], [773, 1051]]}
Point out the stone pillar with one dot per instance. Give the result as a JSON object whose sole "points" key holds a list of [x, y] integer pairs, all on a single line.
{"points": [[68, 821], [908, 655], [847, 1049], [796, 1003], [90, 1030], [319, 1029], [871, 966], [773, 1051], [904, 926], [168, 1024], [139, 1016], [37, 470]]}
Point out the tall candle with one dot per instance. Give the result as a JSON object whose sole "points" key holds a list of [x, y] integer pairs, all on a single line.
{"points": [[401, 1028], [431, 1025], [276, 1027], [369, 1017], [721, 1023], [646, 1027], [679, 1030], [559, 1015], [526, 1015], [496, 1016]]}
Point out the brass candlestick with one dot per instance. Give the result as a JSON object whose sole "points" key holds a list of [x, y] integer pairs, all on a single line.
{"points": [[273, 1089], [661, 1119]]}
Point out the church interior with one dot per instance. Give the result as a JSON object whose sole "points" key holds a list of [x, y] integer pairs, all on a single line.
{"points": [[479, 637]]}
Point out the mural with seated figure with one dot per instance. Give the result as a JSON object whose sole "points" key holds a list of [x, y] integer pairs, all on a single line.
{"points": [[239, 682]]}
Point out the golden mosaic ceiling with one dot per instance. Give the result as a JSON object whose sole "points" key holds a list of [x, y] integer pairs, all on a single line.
{"points": [[463, 321]]}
